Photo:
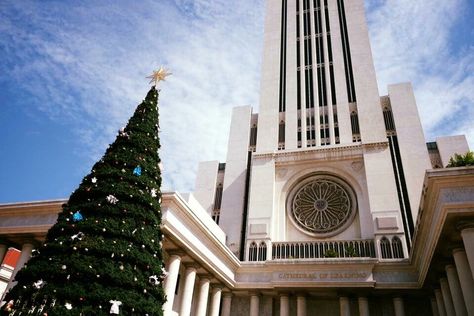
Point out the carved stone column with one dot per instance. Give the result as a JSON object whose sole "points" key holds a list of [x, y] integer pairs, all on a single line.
{"points": [[398, 306], [187, 298], [465, 279], [301, 305], [344, 306], [455, 289], [254, 304], [440, 302], [434, 307], [363, 306], [467, 234], [284, 305], [203, 296], [448, 301], [215, 301], [169, 284], [226, 303]]}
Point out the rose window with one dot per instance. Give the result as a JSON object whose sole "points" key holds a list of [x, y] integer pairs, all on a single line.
{"points": [[322, 205]]}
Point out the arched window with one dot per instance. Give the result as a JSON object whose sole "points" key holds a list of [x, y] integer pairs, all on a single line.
{"points": [[262, 252], [397, 248], [253, 252], [385, 248]]}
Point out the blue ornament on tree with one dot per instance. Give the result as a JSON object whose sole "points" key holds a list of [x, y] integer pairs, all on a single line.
{"points": [[137, 171], [77, 217]]}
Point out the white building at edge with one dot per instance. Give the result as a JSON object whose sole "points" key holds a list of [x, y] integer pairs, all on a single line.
{"points": [[330, 202]]}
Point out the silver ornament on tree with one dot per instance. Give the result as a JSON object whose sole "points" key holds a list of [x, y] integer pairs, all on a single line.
{"points": [[39, 284], [154, 280], [115, 308], [112, 199], [123, 133]]}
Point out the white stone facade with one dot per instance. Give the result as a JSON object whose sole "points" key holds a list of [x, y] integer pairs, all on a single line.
{"points": [[330, 201], [339, 126]]}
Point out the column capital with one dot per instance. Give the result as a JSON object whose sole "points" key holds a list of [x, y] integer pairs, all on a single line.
{"points": [[191, 266], [227, 293], [458, 249], [204, 277], [29, 243], [462, 225], [254, 294], [449, 266], [217, 287], [176, 253]]}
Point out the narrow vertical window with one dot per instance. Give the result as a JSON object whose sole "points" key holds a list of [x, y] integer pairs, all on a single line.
{"points": [[397, 248], [253, 252], [346, 52], [216, 212], [253, 138], [331, 66], [262, 252], [388, 120], [402, 190], [298, 59], [385, 248], [281, 136], [282, 106], [321, 67], [336, 128], [355, 127]]}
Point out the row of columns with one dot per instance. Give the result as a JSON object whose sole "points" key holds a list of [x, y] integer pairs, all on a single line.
{"points": [[189, 281], [344, 305], [455, 297]]}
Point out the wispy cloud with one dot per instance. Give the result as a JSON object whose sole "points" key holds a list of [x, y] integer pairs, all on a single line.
{"points": [[86, 64], [422, 42]]}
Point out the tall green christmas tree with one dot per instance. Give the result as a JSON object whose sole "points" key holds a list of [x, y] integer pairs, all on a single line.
{"points": [[104, 256]]}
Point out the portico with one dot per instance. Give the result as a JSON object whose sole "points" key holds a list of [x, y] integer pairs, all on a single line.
{"points": [[204, 277]]}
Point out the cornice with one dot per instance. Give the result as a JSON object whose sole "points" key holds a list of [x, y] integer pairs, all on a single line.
{"points": [[31, 208], [445, 191], [333, 152], [175, 199], [178, 219]]}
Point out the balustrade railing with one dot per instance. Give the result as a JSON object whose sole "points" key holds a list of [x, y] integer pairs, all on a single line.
{"points": [[324, 249]]}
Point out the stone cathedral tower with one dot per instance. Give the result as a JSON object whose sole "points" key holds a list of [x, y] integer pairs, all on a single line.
{"points": [[330, 201], [327, 157]]}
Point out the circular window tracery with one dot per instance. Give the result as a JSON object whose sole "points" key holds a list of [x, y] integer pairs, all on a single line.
{"points": [[322, 205]]}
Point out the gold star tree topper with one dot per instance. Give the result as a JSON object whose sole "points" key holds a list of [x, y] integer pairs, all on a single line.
{"points": [[159, 75]]}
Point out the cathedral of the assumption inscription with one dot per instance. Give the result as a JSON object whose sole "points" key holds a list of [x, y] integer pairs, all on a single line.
{"points": [[323, 275]]}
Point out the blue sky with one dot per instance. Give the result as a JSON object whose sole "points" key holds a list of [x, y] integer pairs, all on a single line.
{"points": [[71, 74]]}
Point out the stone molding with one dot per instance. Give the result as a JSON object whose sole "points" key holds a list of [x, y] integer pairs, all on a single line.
{"points": [[448, 191], [334, 152]]}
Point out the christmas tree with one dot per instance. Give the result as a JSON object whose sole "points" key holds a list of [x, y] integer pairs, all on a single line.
{"points": [[104, 256]]}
